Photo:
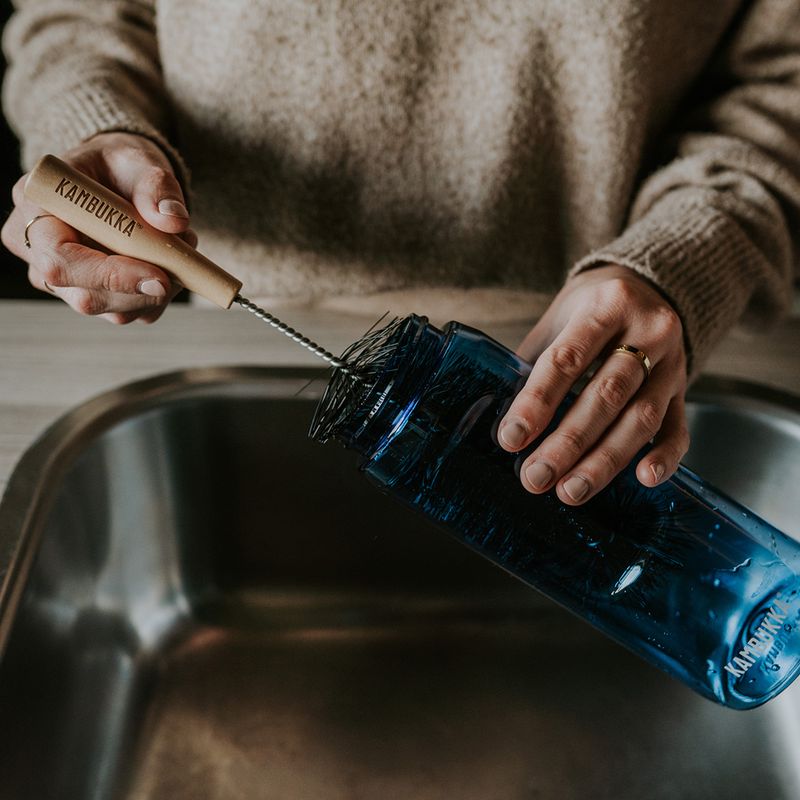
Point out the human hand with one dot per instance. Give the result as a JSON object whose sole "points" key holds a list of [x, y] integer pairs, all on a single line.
{"points": [[67, 264], [617, 412]]}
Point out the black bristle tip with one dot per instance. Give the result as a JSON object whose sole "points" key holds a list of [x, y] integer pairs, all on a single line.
{"points": [[365, 360]]}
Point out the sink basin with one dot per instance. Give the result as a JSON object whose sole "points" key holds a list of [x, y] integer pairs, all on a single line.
{"points": [[199, 602]]}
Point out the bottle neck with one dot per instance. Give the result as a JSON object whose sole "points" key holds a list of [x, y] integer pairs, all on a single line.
{"points": [[394, 369]]}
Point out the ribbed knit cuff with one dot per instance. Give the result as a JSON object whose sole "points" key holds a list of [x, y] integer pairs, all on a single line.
{"points": [[699, 258], [90, 108]]}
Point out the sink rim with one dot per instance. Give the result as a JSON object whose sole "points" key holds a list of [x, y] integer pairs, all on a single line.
{"points": [[29, 494]]}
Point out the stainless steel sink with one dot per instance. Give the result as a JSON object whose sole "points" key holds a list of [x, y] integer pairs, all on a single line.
{"points": [[199, 602]]}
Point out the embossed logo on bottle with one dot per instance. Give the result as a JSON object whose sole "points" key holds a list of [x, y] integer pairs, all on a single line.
{"points": [[92, 204], [768, 640]]}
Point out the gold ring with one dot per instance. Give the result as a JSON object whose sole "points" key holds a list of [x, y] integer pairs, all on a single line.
{"points": [[637, 353], [38, 216]]}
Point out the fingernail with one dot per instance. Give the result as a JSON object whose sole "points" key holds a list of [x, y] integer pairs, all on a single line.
{"points": [[538, 474], [576, 487], [152, 288], [173, 208], [513, 434], [657, 470]]}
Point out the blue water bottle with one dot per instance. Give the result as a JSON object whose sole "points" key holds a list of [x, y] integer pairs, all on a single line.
{"points": [[680, 574]]}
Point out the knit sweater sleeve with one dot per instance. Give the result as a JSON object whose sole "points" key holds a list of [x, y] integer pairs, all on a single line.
{"points": [[81, 67], [716, 227]]}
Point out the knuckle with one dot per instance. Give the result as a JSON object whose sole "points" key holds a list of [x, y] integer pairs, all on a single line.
{"points": [[648, 416], [619, 292], [609, 459], [35, 279], [117, 318], [18, 191], [157, 174], [567, 358], [614, 390], [128, 150], [71, 251], [535, 394], [666, 323], [572, 440], [111, 279], [86, 303], [120, 155], [603, 316], [52, 270]]}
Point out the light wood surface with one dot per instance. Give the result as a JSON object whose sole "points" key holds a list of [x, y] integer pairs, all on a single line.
{"points": [[52, 359], [113, 222]]}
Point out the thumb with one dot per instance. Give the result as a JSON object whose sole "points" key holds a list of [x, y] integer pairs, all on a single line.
{"points": [[158, 197]]}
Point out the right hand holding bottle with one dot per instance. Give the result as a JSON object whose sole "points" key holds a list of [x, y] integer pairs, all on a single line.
{"points": [[67, 264]]}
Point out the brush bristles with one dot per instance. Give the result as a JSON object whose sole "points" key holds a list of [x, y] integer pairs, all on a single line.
{"points": [[367, 358]]}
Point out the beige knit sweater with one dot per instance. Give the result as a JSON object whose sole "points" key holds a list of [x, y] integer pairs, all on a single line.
{"points": [[357, 147]]}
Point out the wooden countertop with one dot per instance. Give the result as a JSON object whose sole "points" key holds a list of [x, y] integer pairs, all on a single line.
{"points": [[51, 359]]}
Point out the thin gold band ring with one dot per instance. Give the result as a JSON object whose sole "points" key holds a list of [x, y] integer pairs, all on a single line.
{"points": [[38, 216], [636, 353], [28, 244]]}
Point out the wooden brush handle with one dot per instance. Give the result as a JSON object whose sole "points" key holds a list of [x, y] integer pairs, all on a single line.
{"points": [[114, 223]]}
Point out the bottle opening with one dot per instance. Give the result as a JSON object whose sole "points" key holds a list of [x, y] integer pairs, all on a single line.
{"points": [[353, 394]]}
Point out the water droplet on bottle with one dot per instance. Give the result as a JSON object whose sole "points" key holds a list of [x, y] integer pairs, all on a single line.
{"points": [[744, 565], [712, 670], [716, 526], [775, 667], [711, 614], [716, 581]]}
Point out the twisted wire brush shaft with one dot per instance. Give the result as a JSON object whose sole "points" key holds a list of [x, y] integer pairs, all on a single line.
{"points": [[294, 335]]}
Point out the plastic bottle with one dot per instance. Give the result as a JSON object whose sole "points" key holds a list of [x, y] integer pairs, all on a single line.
{"points": [[680, 574]]}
